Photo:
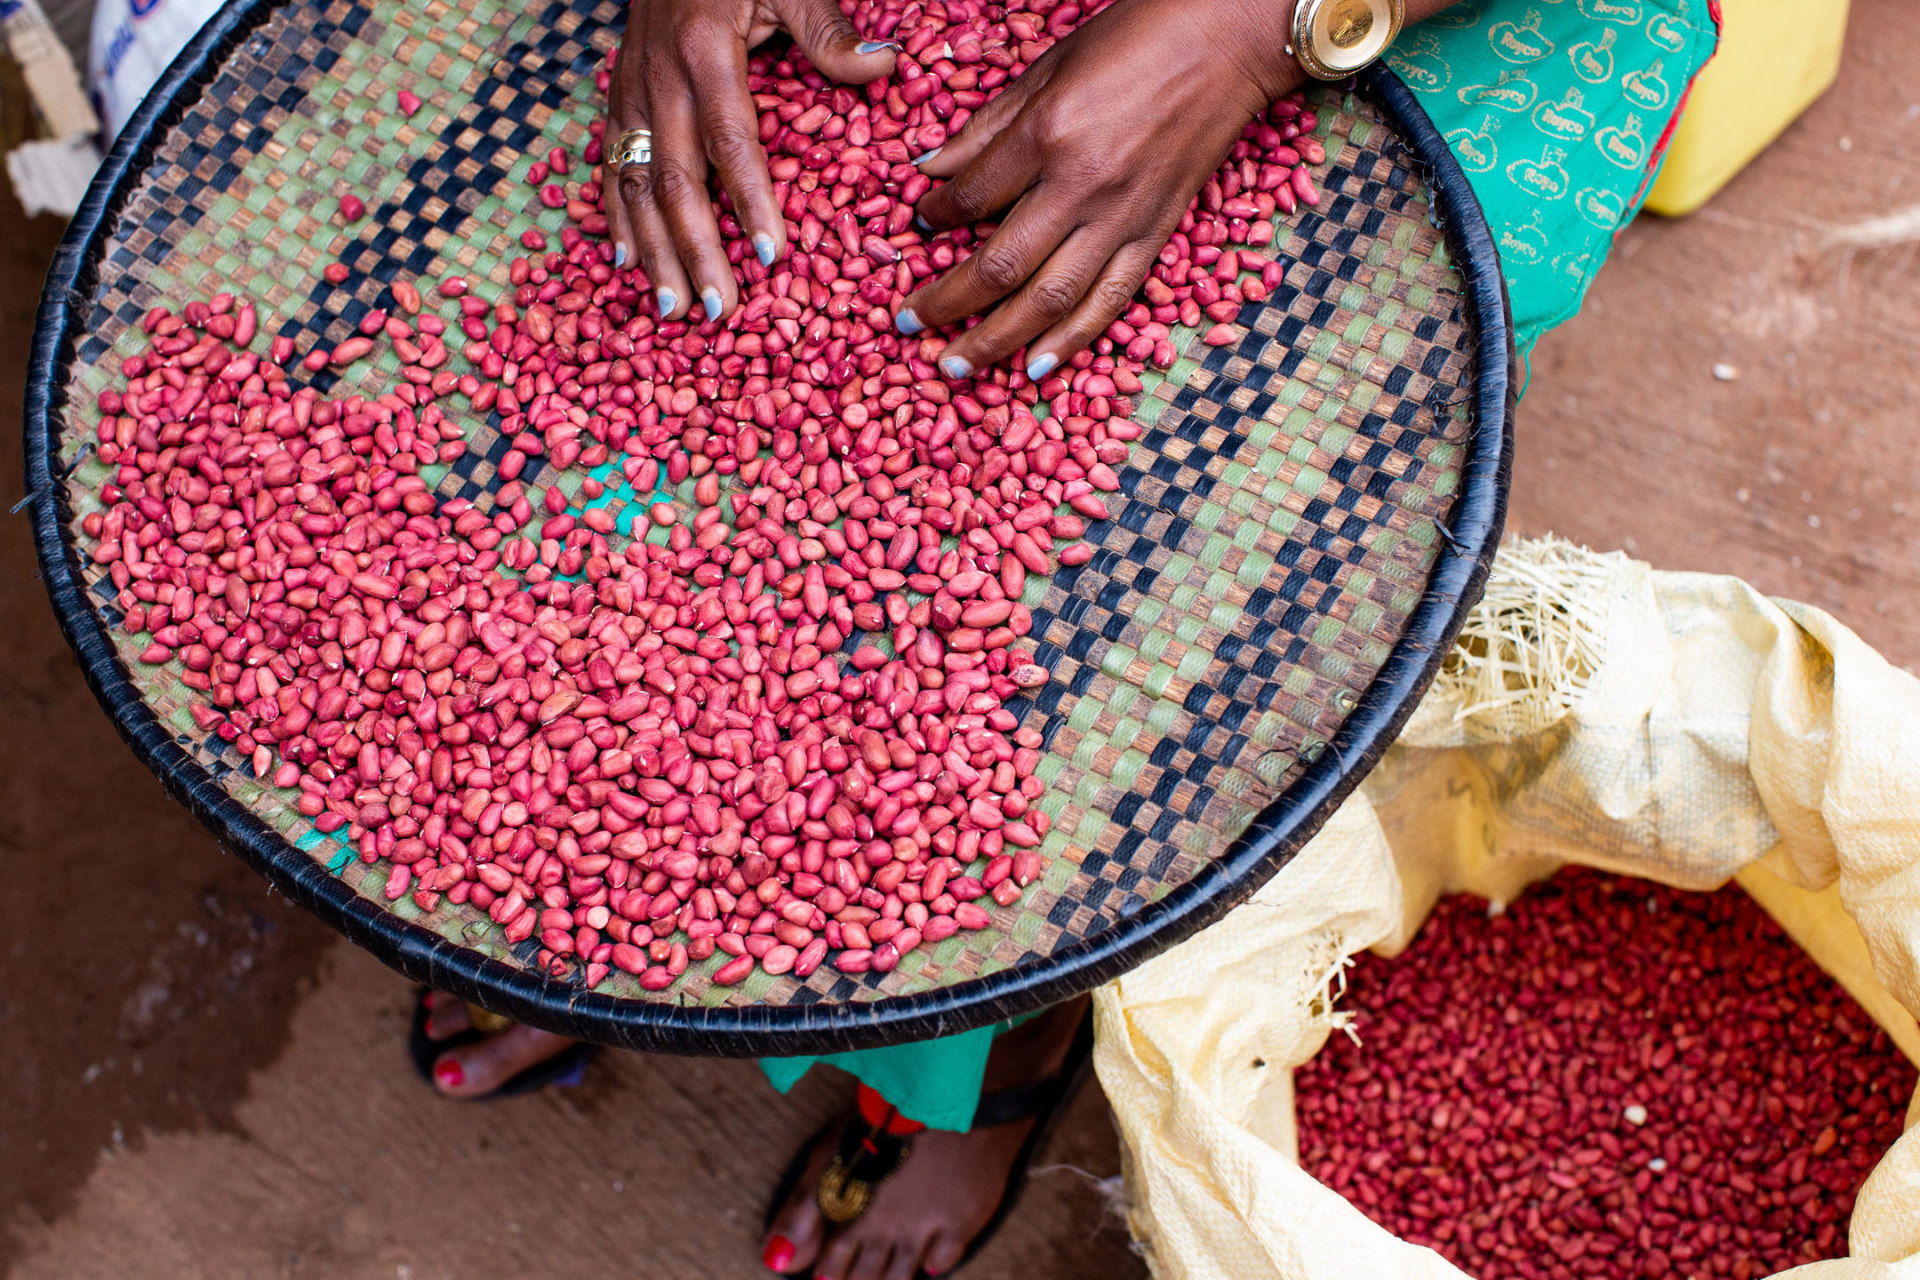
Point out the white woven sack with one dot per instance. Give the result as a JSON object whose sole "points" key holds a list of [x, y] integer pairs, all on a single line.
{"points": [[1679, 727]]}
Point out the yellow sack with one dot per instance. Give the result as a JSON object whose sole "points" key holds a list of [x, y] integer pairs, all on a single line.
{"points": [[1679, 727]]}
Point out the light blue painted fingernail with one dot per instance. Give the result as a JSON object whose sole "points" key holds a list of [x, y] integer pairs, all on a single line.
{"points": [[1040, 366], [710, 299], [666, 300], [954, 367], [763, 248], [619, 255], [925, 156], [923, 224], [907, 322], [875, 46]]}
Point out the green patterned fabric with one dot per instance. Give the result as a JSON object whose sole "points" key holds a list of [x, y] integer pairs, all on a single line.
{"points": [[936, 1082], [1559, 112]]}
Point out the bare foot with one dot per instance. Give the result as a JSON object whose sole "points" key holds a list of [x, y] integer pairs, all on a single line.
{"points": [[483, 1066], [944, 1193]]}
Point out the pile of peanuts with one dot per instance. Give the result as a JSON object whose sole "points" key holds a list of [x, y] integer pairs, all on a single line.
{"points": [[775, 728], [1612, 1078]]}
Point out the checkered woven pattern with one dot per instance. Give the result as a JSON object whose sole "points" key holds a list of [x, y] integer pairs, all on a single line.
{"points": [[1277, 522]]}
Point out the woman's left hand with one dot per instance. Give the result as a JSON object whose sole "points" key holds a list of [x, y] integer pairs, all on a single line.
{"points": [[1099, 147]]}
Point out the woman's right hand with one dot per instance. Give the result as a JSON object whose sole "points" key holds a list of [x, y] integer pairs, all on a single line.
{"points": [[1095, 153], [682, 72]]}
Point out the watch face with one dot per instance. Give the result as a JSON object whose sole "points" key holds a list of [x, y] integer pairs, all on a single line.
{"points": [[1349, 23], [1345, 35]]}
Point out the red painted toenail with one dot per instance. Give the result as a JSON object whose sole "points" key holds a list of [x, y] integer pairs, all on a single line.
{"points": [[449, 1074], [778, 1255]]}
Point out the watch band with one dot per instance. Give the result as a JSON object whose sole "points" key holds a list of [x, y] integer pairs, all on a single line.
{"points": [[1332, 39]]}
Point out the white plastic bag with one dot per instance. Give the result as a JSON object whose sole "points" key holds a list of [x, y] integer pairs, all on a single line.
{"points": [[133, 42], [1679, 727]]}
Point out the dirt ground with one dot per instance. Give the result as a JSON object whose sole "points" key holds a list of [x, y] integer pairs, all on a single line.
{"points": [[199, 1080]]}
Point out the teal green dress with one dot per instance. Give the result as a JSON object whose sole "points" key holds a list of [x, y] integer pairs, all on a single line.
{"points": [[1559, 111], [936, 1082]]}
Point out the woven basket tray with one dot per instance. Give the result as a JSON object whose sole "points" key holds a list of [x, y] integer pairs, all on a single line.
{"points": [[1301, 527]]}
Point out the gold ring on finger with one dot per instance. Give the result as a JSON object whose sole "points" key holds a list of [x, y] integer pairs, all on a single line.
{"points": [[635, 146]]}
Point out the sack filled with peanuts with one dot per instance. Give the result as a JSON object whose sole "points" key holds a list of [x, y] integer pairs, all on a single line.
{"points": [[1609, 968]]}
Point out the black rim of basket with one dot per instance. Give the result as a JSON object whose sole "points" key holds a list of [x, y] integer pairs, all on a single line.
{"points": [[1458, 576]]}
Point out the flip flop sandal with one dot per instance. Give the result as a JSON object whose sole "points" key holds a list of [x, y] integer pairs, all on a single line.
{"points": [[562, 1071], [866, 1154]]}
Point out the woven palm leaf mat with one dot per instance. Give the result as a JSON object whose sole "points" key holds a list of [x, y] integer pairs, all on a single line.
{"points": [[1299, 529]]}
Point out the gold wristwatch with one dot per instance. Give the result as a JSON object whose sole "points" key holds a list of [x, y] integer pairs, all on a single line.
{"points": [[1332, 39]]}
